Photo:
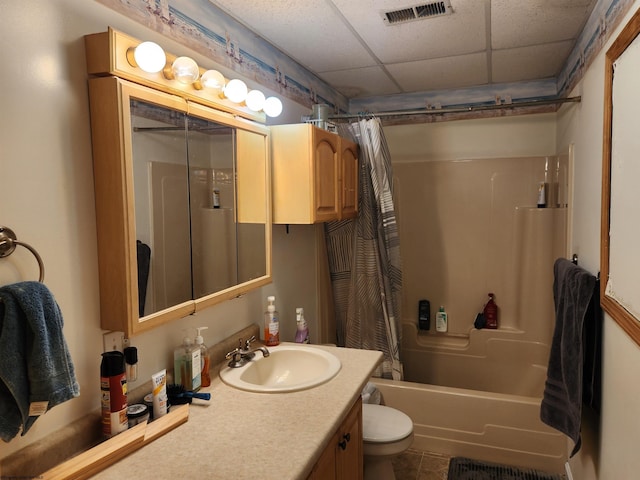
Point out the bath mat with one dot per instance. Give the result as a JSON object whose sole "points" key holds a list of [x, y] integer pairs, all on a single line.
{"points": [[461, 468]]}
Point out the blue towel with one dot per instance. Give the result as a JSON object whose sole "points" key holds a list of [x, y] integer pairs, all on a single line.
{"points": [[35, 365]]}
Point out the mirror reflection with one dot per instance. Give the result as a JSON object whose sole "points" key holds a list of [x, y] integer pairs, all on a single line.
{"points": [[194, 235]]}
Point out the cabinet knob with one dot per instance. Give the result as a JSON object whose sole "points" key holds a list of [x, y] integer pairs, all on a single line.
{"points": [[346, 438]]}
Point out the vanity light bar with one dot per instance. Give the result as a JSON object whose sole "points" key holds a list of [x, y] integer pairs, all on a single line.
{"points": [[146, 63]]}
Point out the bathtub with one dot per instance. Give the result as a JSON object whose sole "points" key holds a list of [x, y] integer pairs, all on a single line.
{"points": [[465, 400]]}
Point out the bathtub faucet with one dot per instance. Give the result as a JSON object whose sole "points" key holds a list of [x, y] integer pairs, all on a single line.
{"points": [[243, 353]]}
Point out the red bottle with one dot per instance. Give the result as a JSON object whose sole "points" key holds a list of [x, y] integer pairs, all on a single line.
{"points": [[491, 313]]}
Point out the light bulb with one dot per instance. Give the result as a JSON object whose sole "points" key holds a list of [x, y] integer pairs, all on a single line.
{"points": [[236, 90], [212, 79], [255, 100], [149, 57], [272, 107], [185, 70]]}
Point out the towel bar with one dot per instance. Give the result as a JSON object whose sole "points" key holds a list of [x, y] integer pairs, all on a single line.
{"points": [[8, 244]]}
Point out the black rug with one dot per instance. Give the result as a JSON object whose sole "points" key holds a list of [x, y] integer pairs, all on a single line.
{"points": [[461, 468]]}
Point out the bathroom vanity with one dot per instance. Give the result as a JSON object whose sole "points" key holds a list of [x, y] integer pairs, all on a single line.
{"points": [[246, 435]]}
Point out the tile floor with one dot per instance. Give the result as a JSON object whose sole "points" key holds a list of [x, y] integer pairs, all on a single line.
{"points": [[415, 465]]}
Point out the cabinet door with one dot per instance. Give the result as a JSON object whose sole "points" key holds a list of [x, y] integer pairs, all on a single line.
{"points": [[349, 459], [325, 468], [348, 179], [326, 174]]}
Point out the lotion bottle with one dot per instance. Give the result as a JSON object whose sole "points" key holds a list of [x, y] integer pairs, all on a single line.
{"points": [[271, 324], [302, 331], [441, 320]]}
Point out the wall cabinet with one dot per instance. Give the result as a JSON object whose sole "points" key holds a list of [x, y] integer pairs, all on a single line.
{"points": [[315, 175], [342, 458]]}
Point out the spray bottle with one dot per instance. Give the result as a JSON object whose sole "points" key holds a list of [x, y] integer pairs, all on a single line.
{"points": [[113, 387]]}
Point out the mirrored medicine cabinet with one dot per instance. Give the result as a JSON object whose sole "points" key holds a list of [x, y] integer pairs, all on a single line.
{"points": [[182, 204]]}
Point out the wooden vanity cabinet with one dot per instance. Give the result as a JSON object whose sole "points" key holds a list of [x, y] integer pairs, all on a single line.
{"points": [[314, 175], [342, 459]]}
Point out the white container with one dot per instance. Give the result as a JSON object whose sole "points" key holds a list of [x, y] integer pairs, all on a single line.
{"points": [[441, 320]]}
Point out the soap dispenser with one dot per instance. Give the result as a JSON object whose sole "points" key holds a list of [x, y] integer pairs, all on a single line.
{"points": [[187, 366], [302, 331], [204, 358]]}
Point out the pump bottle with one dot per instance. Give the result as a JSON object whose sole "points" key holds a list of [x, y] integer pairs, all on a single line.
{"points": [[187, 366], [205, 360], [441, 320], [271, 324], [491, 313], [302, 331]]}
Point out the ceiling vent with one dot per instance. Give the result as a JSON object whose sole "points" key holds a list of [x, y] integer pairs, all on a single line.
{"points": [[417, 12]]}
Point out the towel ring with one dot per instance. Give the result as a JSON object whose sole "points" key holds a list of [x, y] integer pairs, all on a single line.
{"points": [[8, 244]]}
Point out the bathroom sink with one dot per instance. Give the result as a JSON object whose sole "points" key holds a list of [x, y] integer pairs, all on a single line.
{"points": [[288, 368]]}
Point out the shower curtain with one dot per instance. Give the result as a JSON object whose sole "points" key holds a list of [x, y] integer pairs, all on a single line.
{"points": [[364, 255]]}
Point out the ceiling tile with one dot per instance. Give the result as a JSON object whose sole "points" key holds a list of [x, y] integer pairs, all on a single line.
{"points": [[361, 82], [529, 63], [517, 24], [311, 33], [347, 43], [449, 72], [462, 32]]}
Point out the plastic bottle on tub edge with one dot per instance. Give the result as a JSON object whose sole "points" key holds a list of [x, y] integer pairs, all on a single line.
{"points": [[441, 320], [491, 313], [271, 324]]}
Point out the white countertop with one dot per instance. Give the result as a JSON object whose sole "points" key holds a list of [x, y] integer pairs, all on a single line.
{"points": [[245, 435]]}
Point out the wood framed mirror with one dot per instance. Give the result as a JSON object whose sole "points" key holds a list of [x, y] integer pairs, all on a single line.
{"points": [[620, 224], [182, 187]]}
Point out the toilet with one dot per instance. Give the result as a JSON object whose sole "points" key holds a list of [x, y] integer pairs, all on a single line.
{"points": [[386, 433]]}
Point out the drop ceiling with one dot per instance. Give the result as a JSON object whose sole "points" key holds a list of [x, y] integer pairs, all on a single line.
{"points": [[348, 44]]}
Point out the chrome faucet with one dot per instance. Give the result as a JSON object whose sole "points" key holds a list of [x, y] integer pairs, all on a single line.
{"points": [[243, 353]]}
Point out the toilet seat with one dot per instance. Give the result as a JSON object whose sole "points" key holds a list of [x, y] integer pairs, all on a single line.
{"points": [[381, 424]]}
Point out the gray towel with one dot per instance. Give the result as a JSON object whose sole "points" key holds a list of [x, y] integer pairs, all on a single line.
{"points": [[35, 365], [561, 406]]}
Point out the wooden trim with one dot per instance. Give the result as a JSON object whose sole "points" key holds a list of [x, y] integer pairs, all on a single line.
{"points": [[96, 459], [620, 315]]}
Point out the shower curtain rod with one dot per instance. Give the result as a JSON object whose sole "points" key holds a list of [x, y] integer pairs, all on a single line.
{"points": [[470, 108]]}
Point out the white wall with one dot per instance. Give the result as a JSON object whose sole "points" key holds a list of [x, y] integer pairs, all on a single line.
{"points": [[614, 452], [46, 185]]}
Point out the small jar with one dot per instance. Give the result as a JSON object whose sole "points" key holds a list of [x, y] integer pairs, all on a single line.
{"points": [[137, 413]]}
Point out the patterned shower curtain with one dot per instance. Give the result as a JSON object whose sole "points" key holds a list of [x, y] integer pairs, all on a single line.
{"points": [[364, 256]]}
